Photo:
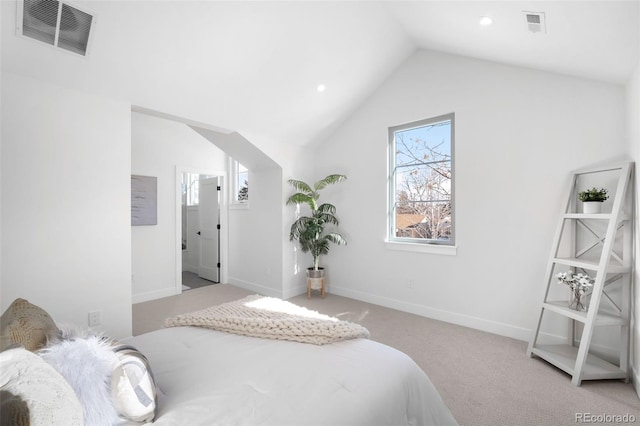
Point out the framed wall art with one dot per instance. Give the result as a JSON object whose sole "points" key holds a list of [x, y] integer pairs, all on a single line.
{"points": [[144, 200]]}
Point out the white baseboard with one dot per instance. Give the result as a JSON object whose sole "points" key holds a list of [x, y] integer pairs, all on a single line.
{"points": [[153, 295], [260, 289], [494, 327], [300, 289]]}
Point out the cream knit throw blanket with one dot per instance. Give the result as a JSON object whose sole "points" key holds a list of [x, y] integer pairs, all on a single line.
{"points": [[271, 318]]}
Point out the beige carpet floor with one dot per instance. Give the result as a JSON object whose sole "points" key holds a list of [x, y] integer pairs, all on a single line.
{"points": [[484, 379]]}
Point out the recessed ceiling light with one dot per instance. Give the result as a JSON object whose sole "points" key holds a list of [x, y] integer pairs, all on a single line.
{"points": [[485, 21], [321, 88]]}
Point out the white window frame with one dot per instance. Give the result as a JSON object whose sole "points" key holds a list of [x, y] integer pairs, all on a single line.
{"points": [[236, 170], [417, 244]]}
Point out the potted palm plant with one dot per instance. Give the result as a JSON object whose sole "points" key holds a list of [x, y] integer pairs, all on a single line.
{"points": [[310, 230]]}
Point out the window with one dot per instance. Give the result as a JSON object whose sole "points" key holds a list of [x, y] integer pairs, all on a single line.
{"points": [[421, 181], [190, 189], [241, 183]]}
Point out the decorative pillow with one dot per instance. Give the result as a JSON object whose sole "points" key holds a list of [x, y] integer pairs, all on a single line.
{"points": [[87, 362], [13, 410], [133, 388], [26, 324], [33, 391]]}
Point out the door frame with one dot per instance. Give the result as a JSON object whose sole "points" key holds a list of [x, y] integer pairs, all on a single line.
{"points": [[224, 229]]}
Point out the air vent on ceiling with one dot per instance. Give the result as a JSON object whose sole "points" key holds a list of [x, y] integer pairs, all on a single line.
{"points": [[56, 23], [535, 22]]}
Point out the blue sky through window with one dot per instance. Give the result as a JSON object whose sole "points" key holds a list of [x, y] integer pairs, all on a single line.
{"points": [[423, 144]]}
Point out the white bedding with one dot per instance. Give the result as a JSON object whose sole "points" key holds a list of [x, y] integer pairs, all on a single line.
{"points": [[207, 377]]}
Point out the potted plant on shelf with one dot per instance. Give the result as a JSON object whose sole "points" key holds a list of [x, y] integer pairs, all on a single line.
{"points": [[592, 199], [310, 230]]}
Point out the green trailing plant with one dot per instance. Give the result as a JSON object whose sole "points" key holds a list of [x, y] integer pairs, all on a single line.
{"points": [[593, 194], [310, 230]]}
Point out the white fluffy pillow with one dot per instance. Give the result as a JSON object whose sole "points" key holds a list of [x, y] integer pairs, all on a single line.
{"points": [[48, 397], [87, 363], [133, 388]]}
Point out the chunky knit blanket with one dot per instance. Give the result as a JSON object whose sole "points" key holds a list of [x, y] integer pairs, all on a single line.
{"points": [[271, 318]]}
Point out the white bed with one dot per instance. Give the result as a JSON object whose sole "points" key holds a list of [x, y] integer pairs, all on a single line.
{"points": [[207, 377]]}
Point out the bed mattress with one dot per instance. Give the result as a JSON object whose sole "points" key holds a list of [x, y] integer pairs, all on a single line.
{"points": [[207, 377]]}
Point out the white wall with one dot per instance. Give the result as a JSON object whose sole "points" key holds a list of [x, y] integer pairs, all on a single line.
{"points": [[519, 133], [255, 235], [66, 163], [157, 147], [633, 128]]}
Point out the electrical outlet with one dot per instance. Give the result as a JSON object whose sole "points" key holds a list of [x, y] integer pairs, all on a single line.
{"points": [[95, 318], [411, 283]]}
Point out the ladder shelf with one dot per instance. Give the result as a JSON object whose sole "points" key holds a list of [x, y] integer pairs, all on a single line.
{"points": [[598, 245], [602, 319], [594, 368], [590, 265]]}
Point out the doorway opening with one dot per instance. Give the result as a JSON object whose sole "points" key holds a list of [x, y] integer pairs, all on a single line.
{"points": [[199, 227]]}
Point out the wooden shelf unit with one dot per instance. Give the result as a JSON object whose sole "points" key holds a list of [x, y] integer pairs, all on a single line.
{"points": [[613, 264]]}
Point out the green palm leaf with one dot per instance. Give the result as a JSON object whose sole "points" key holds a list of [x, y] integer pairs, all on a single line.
{"points": [[327, 208], [300, 198], [336, 238], [329, 180], [301, 186]]}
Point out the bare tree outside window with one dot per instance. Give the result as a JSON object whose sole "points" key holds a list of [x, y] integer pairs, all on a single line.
{"points": [[241, 182], [243, 193], [422, 181]]}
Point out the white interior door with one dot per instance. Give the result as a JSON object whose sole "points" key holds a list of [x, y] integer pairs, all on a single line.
{"points": [[209, 267]]}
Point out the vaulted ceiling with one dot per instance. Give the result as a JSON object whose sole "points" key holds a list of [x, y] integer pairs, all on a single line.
{"points": [[254, 67]]}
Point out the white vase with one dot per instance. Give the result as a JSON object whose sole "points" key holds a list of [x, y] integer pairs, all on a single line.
{"points": [[591, 207]]}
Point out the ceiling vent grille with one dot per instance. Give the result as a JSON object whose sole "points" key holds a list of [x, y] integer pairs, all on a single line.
{"points": [[56, 23], [535, 22]]}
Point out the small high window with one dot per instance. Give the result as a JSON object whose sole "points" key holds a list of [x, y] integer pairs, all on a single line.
{"points": [[240, 182]]}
